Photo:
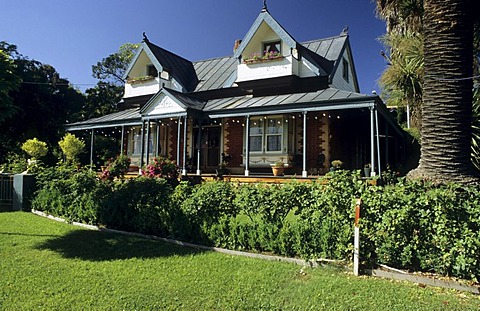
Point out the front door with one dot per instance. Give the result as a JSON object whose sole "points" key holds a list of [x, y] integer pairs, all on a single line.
{"points": [[209, 147]]}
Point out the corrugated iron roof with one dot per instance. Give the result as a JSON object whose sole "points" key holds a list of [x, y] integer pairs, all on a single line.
{"points": [[180, 68], [214, 73], [328, 95], [124, 117]]}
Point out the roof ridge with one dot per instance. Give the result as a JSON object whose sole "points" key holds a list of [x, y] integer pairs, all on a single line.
{"points": [[212, 58], [169, 52]]}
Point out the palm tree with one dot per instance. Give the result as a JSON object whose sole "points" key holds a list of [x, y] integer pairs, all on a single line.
{"points": [[402, 80], [447, 94], [401, 16]]}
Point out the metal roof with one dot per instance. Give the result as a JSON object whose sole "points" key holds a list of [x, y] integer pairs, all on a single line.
{"points": [[298, 101], [216, 73], [125, 117], [184, 100], [180, 68]]}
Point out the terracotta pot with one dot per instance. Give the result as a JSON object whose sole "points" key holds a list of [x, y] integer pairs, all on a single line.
{"points": [[278, 171]]}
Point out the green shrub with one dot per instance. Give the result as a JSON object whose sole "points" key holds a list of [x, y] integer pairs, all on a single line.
{"points": [[140, 205], [409, 224], [71, 147], [35, 148], [75, 195]]}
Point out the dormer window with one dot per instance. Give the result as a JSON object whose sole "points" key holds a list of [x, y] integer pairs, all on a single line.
{"points": [[272, 48], [345, 72], [152, 71]]}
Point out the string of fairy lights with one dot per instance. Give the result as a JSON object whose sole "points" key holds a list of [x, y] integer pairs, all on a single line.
{"points": [[255, 121]]}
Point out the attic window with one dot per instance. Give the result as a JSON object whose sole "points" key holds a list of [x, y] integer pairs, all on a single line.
{"points": [[152, 71], [272, 47], [345, 72]]}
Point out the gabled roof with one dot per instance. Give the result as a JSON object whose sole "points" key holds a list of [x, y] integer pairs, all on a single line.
{"points": [[178, 67], [215, 73], [273, 24], [183, 102], [220, 72]]}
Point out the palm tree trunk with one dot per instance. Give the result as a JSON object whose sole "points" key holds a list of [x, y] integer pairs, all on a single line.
{"points": [[447, 99]]}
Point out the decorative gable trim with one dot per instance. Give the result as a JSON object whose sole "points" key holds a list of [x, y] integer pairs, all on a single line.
{"points": [[273, 24], [163, 104], [143, 48]]}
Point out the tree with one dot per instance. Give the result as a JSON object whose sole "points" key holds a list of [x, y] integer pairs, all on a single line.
{"points": [[401, 16], [111, 68], [104, 97], [71, 147], [35, 148], [447, 96], [43, 103], [402, 80], [9, 81]]}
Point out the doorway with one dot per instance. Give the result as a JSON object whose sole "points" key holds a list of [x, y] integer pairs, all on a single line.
{"points": [[209, 147]]}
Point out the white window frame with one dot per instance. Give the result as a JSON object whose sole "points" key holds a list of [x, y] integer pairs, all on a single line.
{"points": [[265, 135]]}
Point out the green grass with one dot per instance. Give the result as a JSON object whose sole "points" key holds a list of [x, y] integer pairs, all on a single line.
{"points": [[49, 265]]}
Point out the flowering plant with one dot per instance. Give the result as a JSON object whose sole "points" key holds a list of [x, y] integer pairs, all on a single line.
{"points": [[257, 57], [161, 168], [116, 168]]}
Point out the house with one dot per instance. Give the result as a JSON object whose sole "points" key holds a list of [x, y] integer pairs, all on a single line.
{"points": [[274, 99]]}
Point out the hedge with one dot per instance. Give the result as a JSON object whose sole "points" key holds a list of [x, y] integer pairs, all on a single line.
{"points": [[410, 224]]}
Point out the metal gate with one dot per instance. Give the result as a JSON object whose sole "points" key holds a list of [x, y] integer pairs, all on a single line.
{"points": [[6, 192]]}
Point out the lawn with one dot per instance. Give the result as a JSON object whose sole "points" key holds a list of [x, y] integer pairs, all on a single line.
{"points": [[49, 265]]}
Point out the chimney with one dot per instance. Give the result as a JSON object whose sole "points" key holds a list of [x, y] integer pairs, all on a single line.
{"points": [[237, 44]]}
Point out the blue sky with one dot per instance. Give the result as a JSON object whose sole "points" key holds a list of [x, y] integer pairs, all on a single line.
{"points": [[73, 35]]}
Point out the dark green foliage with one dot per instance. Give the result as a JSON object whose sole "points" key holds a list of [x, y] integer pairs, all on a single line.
{"points": [[37, 107], [66, 192], [424, 227], [407, 224]]}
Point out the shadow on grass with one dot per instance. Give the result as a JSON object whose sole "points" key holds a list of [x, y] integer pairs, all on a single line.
{"points": [[29, 234], [102, 246]]}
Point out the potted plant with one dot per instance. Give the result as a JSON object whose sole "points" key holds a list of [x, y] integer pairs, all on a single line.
{"points": [[278, 168], [222, 168], [336, 165], [367, 169]]}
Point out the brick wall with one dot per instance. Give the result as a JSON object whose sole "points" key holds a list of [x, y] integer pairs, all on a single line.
{"points": [[233, 140]]}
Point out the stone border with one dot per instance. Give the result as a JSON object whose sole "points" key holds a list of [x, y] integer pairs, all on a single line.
{"points": [[395, 274]]}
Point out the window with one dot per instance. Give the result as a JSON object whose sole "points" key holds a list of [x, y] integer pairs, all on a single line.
{"points": [[135, 147], [266, 134], [272, 47], [345, 72], [256, 135], [152, 71], [274, 134]]}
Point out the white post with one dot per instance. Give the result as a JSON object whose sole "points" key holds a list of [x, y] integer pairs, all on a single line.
{"points": [[247, 146], [378, 144], [356, 239], [372, 140], [304, 160], [184, 170], [408, 116]]}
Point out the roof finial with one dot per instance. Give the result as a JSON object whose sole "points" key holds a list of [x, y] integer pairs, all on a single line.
{"points": [[344, 31], [264, 6], [145, 39]]}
